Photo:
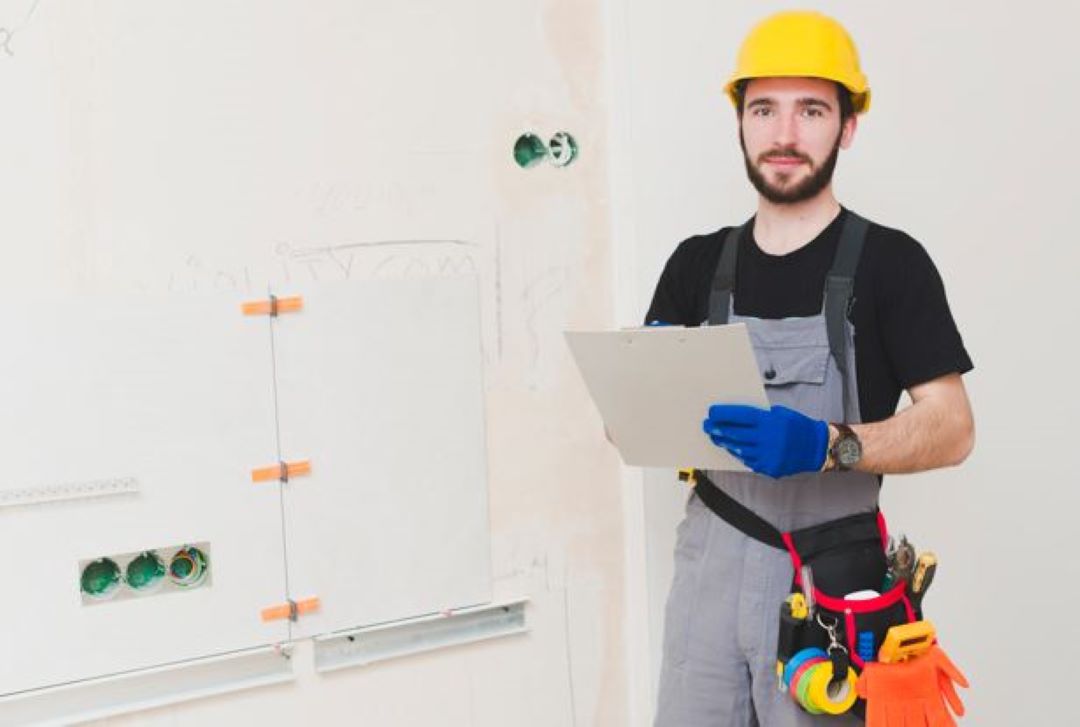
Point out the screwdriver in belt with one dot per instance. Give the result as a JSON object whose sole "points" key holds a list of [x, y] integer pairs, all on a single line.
{"points": [[793, 613], [925, 568]]}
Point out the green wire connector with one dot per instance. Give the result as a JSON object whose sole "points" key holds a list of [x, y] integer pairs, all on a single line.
{"points": [[188, 567]]}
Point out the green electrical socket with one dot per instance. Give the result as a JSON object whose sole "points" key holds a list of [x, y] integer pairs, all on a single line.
{"points": [[563, 149], [146, 571], [143, 574], [100, 579], [529, 150]]}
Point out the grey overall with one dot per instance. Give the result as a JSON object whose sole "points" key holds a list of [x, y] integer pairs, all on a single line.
{"points": [[721, 622]]}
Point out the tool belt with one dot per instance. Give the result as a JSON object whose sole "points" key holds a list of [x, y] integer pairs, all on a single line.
{"points": [[843, 556]]}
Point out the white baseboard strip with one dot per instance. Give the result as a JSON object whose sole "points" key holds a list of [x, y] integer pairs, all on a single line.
{"points": [[147, 688], [363, 646]]}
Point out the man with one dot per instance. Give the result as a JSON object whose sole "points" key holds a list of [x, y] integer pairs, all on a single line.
{"points": [[843, 315]]}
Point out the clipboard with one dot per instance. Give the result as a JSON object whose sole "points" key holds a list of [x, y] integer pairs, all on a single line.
{"points": [[653, 387]]}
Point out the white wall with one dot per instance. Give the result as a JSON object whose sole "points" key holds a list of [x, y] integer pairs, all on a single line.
{"points": [[227, 145], [970, 147]]}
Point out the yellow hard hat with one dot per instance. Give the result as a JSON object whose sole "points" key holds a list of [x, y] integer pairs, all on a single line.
{"points": [[802, 43]]}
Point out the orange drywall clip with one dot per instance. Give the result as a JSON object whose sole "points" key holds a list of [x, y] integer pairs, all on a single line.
{"points": [[290, 610], [273, 306], [282, 471]]}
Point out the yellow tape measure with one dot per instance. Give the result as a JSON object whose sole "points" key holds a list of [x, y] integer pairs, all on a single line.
{"points": [[907, 641]]}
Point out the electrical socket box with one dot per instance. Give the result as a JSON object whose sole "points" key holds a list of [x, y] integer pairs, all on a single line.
{"points": [[170, 569]]}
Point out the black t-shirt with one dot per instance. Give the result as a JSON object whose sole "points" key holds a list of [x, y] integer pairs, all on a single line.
{"points": [[904, 331]]}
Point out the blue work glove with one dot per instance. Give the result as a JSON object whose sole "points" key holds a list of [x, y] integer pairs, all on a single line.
{"points": [[776, 442]]}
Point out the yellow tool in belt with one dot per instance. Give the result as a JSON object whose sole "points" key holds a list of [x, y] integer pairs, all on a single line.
{"points": [[925, 568], [797, 603], [906, 641], [793, 613]]}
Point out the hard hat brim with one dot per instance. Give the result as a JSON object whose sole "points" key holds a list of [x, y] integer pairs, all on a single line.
{"points": [[860, 98]]}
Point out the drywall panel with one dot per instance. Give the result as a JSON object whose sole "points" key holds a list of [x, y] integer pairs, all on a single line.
{"points": [[227, 146], [172, 394], [380, 387]]}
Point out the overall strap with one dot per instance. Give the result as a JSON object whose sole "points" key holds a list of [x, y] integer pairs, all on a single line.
{"points": [[724, 277], [839, 293], [736, 514], [807, 542]]}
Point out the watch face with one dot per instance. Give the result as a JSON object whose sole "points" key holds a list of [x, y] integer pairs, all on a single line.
{"points": [[848, 451]]}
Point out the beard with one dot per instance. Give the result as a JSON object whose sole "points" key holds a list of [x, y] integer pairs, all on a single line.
{"points": [[808, 188]]}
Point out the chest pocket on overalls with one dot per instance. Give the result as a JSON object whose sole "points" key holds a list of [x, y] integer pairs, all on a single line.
{"points": [[797, 377]]}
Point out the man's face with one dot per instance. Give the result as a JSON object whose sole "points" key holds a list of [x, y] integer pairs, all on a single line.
{"points": [[791, 135]]}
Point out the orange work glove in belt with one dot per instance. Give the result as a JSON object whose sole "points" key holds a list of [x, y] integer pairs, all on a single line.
{"points": [[912, 692]]}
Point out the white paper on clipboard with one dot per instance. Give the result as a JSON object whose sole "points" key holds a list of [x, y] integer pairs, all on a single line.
{"points": [[653, 387]]}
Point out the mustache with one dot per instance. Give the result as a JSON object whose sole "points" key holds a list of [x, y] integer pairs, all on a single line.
{"points": [[784, 154]]}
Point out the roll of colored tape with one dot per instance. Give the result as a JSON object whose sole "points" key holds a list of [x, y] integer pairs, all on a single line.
{"points": [[830, 698], [802, 694], [800, 673], [796, 661]]}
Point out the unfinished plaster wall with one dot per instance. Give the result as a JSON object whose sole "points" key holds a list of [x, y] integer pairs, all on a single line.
{"points": [[230, 145]]}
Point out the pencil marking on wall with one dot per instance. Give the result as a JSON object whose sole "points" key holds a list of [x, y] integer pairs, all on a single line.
{"points": [[389, 243], [569, 659], [342, 261], [8, 33], [343, 258], [336, 198], [536, 295], [198, 276], [498, 294], [291, 262], [282, 250], [5, 41], [385, 263]]}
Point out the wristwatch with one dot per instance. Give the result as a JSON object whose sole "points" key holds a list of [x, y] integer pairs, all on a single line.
{"points": [[845, 451]]}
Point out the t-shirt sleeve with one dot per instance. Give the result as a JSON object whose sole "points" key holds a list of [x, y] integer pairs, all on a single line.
{"points": [[682, 293], [671, 302], [918, 331]]}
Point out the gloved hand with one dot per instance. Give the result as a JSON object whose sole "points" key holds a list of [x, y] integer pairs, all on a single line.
{"points": [[776, 442], [911, 692]]}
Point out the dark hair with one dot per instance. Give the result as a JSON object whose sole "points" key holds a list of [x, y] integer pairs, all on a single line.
{"points": [[843, 95]]}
